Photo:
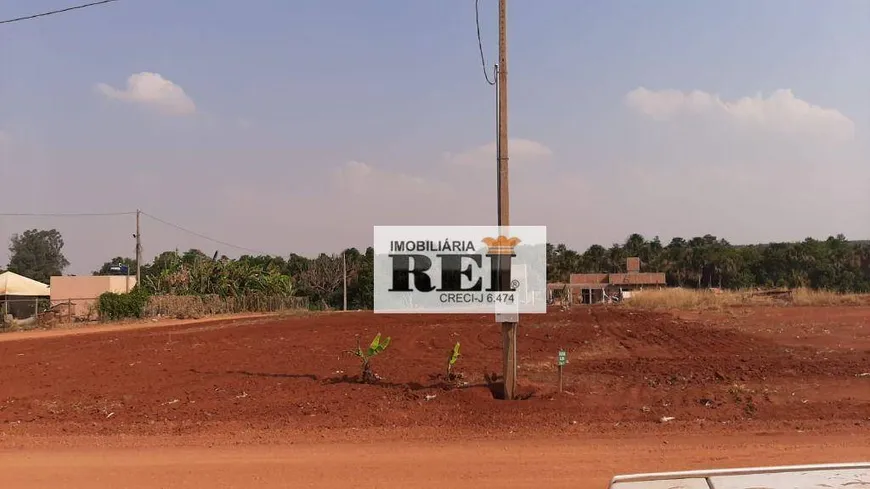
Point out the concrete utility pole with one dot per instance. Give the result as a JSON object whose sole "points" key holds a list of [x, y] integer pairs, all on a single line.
{"points": [[509, 329], [138, 236], [344, 274]]}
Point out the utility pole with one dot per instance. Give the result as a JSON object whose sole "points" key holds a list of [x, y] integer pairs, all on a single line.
{"points": [[138, 236], [508, 328], [344, 275]]}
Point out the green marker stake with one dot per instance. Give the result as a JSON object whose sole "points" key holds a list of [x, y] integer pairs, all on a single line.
{"points": [[563, 359]]}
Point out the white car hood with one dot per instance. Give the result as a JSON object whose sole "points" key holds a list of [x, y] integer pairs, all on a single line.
{"points": [[830, 476]]}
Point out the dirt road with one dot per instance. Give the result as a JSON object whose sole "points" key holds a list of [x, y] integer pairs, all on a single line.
{"points": [[553, 463], [94, 328]]}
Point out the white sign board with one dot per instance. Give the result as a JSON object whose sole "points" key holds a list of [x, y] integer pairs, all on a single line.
{"points": [[456, 269]]}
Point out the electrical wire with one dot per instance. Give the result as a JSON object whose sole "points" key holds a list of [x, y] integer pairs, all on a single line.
{"points": [[75, 214], [480, 41], [59, 11], [199, 235], [132, 213]]}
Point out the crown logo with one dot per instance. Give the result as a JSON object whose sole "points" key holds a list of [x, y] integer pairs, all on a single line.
{"points": [[501, 245]]}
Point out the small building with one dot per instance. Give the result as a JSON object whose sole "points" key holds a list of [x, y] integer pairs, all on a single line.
{"points": [[594, 288], [81, 292], [19, 295]]}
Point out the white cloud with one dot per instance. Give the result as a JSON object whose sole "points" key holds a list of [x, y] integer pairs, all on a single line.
{"points": [[151, 89], [361, 178], [520, 151], [780, 112], [353, 172]]}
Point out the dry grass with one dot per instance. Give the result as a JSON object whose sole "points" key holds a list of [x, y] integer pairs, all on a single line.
{"points": [[809, 297], [679, 298], [194, 307], [690, 299]]}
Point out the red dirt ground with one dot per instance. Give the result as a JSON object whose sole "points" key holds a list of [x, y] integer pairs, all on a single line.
{"points": [[571, 462], [792, 367], [778, 372]]}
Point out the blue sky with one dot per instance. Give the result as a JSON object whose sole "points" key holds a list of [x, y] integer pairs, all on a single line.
{"points": [[303, 123]]}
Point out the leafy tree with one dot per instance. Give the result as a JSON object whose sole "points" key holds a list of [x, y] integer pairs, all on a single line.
{"points": [[194, 273], [193, 255], [164, 261], [295, 265], [595, 259], [37, 254], [360, 278], [107, 267], [322, 280]]}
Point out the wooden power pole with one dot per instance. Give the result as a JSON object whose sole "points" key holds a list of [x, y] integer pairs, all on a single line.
{"points": [[344, 278], [138, 250], [509, 329]]}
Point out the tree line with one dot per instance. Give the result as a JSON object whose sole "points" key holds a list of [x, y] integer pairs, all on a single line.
{"points": [[321, 279], [707, 261], [835, 263], [38, 254]]}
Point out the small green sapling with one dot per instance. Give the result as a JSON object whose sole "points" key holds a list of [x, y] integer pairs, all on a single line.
{"points": [[451, 361], [377, 346]]}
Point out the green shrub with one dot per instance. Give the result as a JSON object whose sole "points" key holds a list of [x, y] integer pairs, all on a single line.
{"points": [[113, 307]]}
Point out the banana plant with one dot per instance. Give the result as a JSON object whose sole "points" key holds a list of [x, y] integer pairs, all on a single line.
{"points": [[376, 347], [451, 360]]}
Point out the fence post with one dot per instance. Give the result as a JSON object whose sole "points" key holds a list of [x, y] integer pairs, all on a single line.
{"points": [[69, 311]]}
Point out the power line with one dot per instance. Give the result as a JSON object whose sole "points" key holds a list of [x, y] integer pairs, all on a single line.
{"points": [[61, 214], [480, 42], [199, 235], [132, 213], [52, 12]]}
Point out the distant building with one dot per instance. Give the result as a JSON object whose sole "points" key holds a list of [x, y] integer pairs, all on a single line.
{"points": [[81, 292], [19, 295], [593, 288]]}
